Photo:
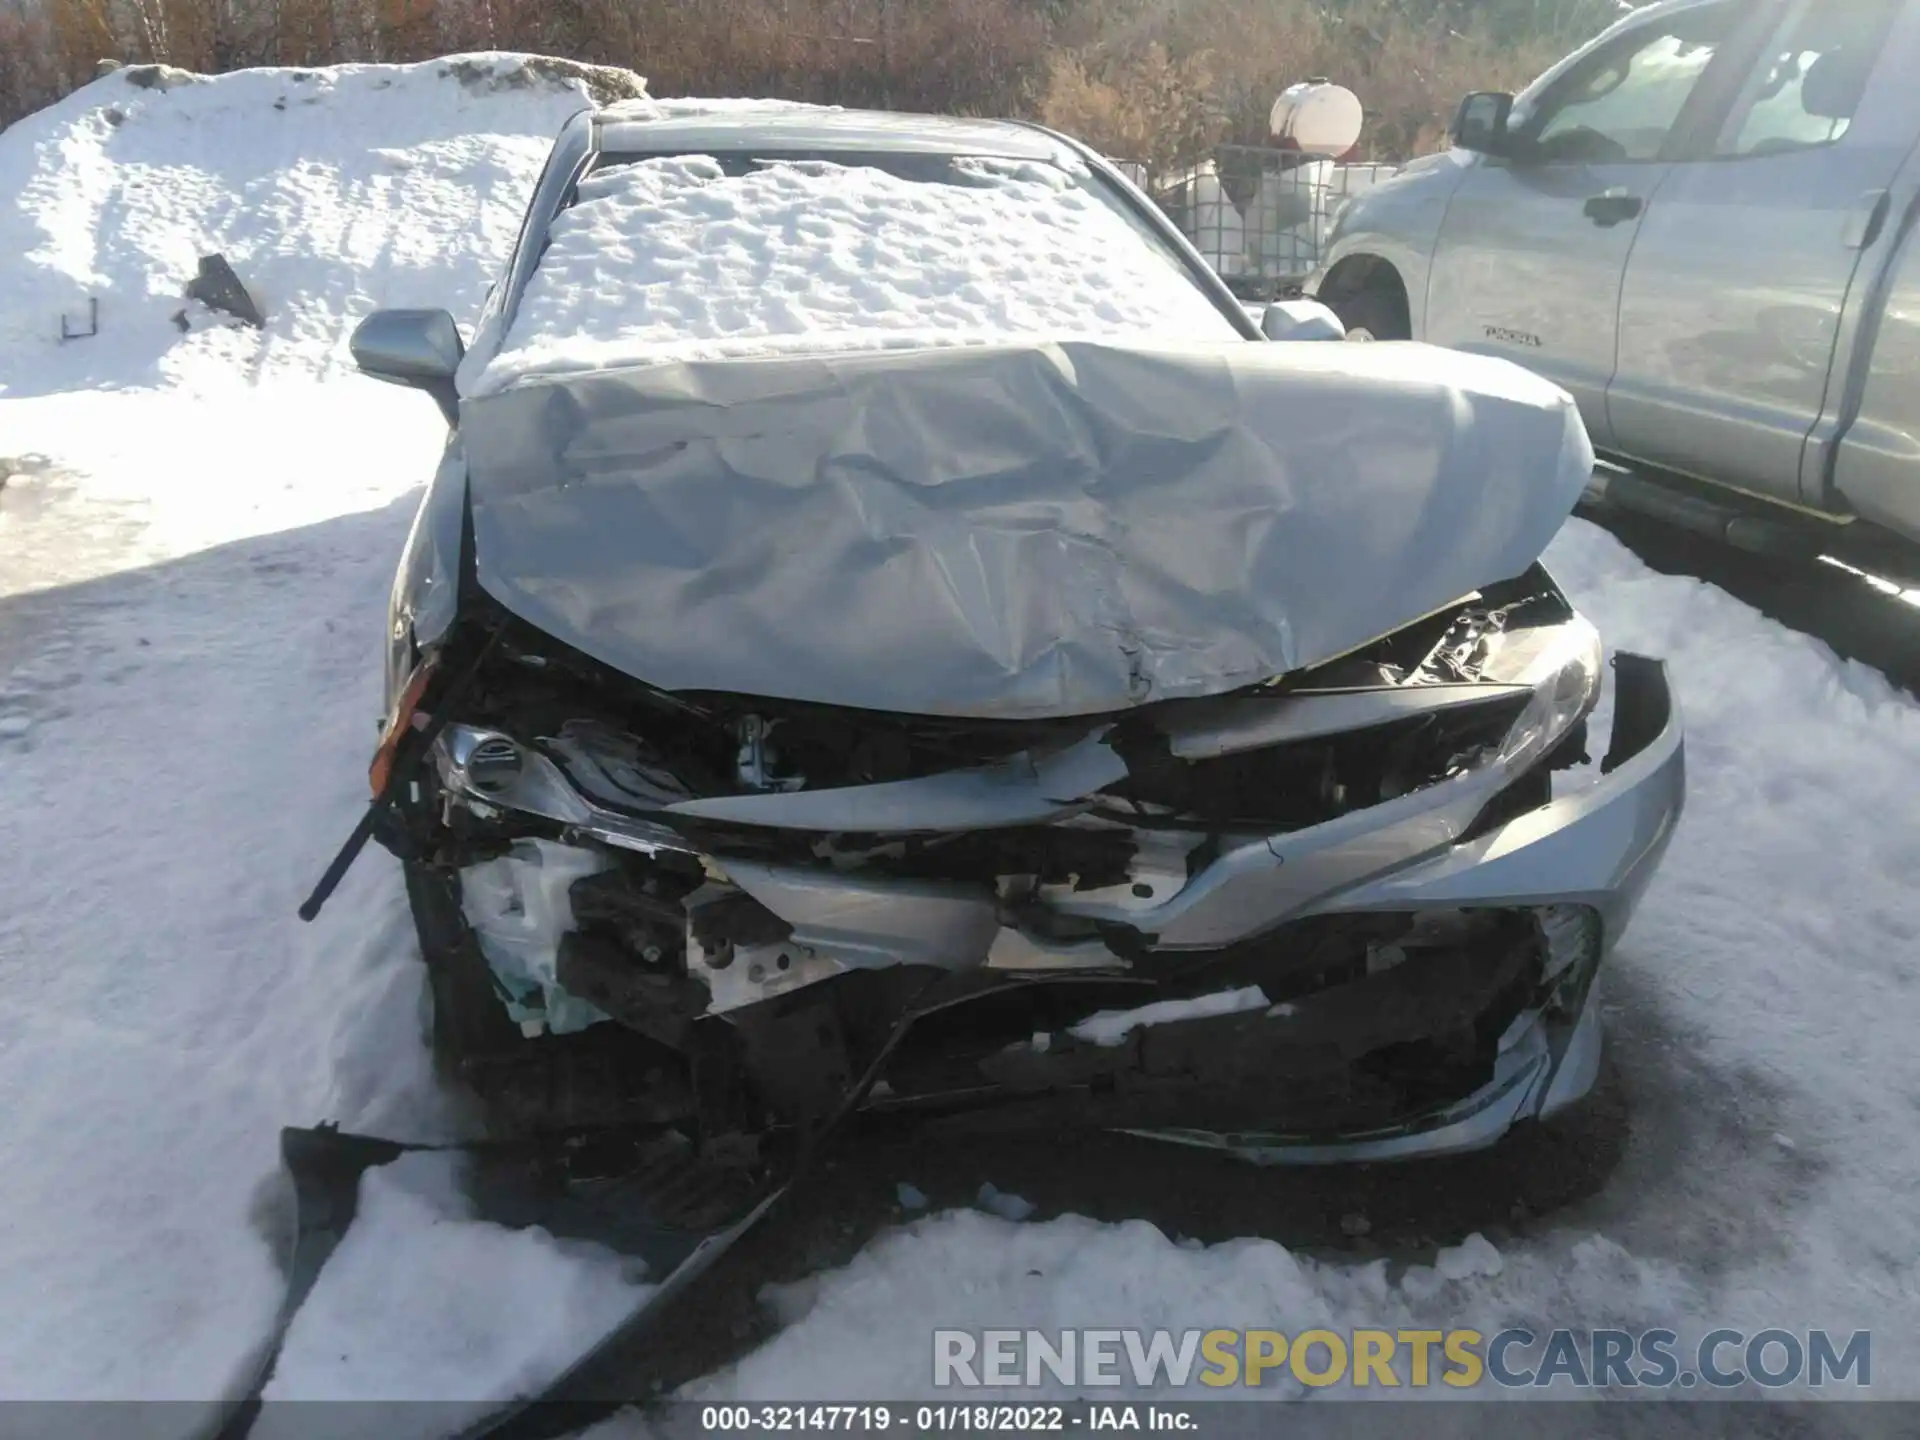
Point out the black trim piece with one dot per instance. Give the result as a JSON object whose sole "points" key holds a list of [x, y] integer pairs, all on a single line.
{"points": [[1642, 708]]}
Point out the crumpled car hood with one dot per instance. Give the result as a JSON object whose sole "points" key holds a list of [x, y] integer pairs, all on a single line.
{"points": [[1038, 529]]}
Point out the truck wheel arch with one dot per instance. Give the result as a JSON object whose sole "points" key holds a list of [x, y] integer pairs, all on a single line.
{"points": [[1370, 297]]}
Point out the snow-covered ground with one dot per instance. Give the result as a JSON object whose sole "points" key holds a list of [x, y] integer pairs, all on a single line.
{"points": [[196, 534]]}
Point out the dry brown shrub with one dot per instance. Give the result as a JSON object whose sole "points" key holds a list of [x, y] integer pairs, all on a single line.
{"points": [[1143, 106], [1153, 80]]}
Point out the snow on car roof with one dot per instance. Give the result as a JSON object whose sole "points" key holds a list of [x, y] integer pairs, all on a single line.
{"points": [[700, 256]]}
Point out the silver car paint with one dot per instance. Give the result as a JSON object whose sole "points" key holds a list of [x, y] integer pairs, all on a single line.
{"points": [[1597, 847], [1878, 464], [1019, 530], [1744, 327], [1021, 790], [1732, 300], [1398, 221]]}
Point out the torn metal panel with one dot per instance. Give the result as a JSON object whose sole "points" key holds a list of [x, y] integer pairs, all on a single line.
{"points": [[492, 770], [1256, 884], [1021, 790], [1230, 726], [867, 921], [1017, 952], [426, 587], [1012, 530]]}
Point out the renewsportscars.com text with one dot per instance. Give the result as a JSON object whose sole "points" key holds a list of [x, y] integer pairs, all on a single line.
{"points": [[1411, 1359]]}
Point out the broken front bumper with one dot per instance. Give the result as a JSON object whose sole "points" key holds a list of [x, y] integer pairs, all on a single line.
{"points": [[1595, 848], [1433, 954]]}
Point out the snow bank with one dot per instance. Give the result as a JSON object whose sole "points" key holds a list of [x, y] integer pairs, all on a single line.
{"points": [[188, 638], [867, 1329], [674, 258], [199, 542], [332, 191]]}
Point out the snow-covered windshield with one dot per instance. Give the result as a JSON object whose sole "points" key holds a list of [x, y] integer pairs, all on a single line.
{"points": [[705, 255]]}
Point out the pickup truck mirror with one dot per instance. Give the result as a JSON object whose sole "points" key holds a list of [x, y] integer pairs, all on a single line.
{"points": [[420, 348], [1480, 124]]}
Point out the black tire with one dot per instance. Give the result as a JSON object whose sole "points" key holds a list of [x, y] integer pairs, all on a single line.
{"points": [[1373, 314]]}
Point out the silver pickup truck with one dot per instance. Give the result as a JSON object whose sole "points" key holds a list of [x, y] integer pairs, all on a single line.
{"points": [[1702, 226]]}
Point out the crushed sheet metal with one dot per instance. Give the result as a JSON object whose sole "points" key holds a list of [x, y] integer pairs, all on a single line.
{"points": [[1019, 530], [1020, 790], [1235, 724], [866, 921]]}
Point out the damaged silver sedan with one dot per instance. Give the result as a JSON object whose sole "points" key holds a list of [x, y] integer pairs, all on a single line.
{"points": [[1173, 733]]}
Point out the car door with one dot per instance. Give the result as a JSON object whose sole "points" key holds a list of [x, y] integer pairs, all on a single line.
{"points": [[1534, 244], [1733, 294]]}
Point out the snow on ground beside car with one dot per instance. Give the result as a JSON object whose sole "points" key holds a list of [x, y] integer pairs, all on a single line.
{"points": [[674, 257], [191, 596], [415, 1237], [190, 610]]}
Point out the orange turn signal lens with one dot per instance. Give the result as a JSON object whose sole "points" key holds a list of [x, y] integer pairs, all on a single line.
{"points": [[380, 772]]}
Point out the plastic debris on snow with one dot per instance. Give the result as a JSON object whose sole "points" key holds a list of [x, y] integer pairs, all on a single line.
{"points": [[1111, 1027], [422, 1301], [1008, 1207], [674, 258], [1473, 1256]]}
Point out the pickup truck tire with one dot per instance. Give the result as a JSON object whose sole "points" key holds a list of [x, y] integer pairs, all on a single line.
{"points": [[1372, 314]]}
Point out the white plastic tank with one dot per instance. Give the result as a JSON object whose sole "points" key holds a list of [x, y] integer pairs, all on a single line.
{"points": [[1317, 117], [1209, 217]]}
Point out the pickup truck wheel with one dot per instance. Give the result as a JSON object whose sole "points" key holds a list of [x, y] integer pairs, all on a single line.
{"points": [[1372, 314]]}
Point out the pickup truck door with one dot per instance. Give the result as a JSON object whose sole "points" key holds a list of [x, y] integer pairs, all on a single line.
{"points": [[1531, 253], [1734, 292], [1874, 409]]}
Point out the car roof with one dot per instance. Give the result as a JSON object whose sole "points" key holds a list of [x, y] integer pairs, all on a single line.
{"points": [[627, 130]]}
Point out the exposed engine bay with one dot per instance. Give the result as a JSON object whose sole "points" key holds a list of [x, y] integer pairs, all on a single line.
{"points": [[713, 911]]}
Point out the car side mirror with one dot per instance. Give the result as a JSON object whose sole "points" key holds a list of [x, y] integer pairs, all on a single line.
{"points": [[421, 348], [1480, 124], [1301, 320]]}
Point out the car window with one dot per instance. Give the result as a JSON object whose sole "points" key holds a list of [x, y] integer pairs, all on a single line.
{"points": [[1623, 101], [1808, 83]]}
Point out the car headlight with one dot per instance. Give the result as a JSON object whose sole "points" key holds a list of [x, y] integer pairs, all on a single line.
{"points": [[401, 659], [1561, 664]]}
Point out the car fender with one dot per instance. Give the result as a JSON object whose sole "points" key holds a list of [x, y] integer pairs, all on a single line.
{"points": [[425, 599], [1397, 223]]}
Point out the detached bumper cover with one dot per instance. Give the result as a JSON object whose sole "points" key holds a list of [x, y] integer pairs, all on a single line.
{"points": [[1597, 848]]}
